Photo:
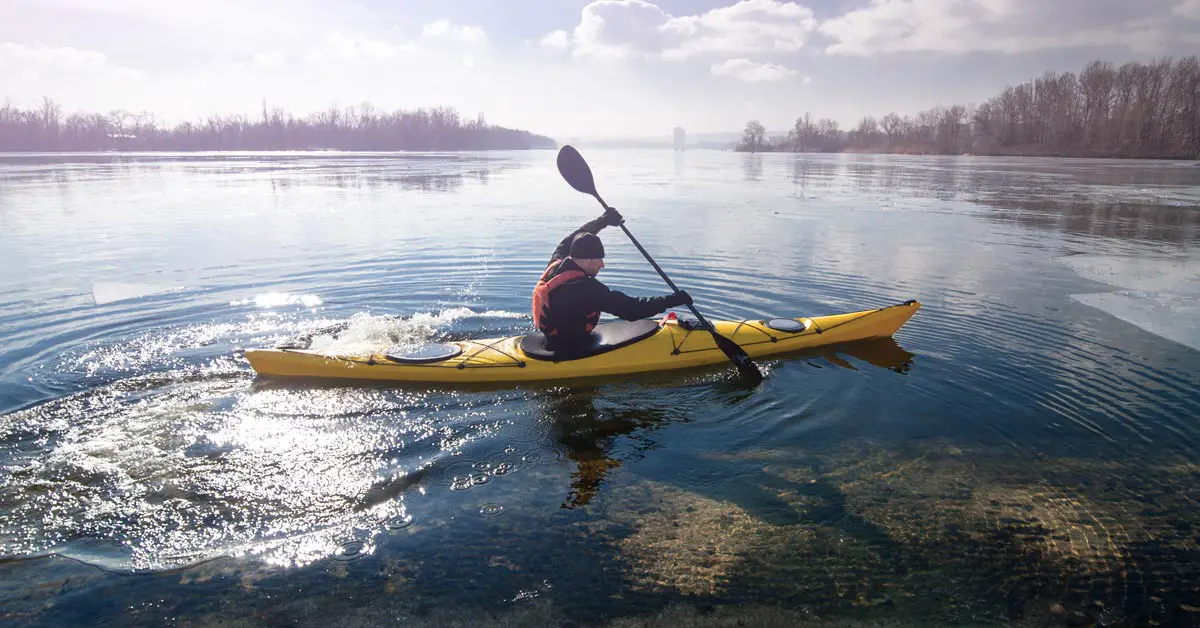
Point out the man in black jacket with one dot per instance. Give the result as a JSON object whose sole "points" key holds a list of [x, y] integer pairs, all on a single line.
{"points": [[568, 299]]}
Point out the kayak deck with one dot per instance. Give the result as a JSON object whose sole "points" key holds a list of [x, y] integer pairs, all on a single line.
{"points": [[674, 345]]}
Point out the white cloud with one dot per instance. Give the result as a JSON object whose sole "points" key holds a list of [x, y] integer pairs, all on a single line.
{"points": [[269, 59], [35, 62], [1188, 8], [557, 39], [636, 28], [205, 11], [238, 26], [74, 78], [1002, 26], [264, 61], [752, 72], [620, 28], [339, 48], [748, 26], [448, 30]]}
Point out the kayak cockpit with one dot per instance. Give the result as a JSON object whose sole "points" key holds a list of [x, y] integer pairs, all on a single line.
{"points": [[604, 338]]}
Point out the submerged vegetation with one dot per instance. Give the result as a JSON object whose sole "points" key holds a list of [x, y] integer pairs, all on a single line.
{"points": [[1137, 110], [364, 127]]}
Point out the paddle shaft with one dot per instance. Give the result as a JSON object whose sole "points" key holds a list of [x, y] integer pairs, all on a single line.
{"points": [[575, 170], [727, 346], [653, 263]]}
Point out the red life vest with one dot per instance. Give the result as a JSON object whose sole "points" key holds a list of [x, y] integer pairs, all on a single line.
{"points": [[552, 278]]}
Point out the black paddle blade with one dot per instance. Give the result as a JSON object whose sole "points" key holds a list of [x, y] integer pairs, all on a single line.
{"points": [[739, 357], [575, 170]]}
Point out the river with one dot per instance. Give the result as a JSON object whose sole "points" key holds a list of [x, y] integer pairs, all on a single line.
{"points": [[1026, 449]]}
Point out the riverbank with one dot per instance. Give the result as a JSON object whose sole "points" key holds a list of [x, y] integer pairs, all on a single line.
{"points": [[361, 128]]}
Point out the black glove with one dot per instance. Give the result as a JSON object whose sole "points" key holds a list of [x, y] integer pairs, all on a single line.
{"points": [[679, 298], [613, 217]]}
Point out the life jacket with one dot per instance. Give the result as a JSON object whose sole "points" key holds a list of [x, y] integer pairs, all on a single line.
{"points": [[552, 278]]}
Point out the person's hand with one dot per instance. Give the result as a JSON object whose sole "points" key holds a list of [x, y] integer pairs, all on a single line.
{"points": [[612, 217], [680, 298]]}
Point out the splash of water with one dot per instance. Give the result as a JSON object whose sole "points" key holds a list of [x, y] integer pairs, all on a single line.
{"points": [[279, 299], [367, 333]]}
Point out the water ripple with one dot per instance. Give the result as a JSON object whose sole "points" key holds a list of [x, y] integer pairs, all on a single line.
{"points": [[1008, 430]]}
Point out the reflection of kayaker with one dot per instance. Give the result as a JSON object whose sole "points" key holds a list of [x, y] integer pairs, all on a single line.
{"points": [[568, 299], [599, 439]]}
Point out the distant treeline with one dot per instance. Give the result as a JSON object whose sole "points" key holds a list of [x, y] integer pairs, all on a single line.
{"points": [[1137, 110], [351, 128]]}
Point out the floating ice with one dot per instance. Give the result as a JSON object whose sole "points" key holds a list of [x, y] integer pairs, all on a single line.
{"points": [[1159, 294], [109, 291], [1172, 317]]}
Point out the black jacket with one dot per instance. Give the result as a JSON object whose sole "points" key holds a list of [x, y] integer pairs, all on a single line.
{"points": [[572, 301]]}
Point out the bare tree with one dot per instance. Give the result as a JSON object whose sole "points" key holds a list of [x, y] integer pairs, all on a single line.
{"points": [[827, 135], [866, 134], [1096, 87], [892, 127], [801, 134], [950, 128], [753, 137]]}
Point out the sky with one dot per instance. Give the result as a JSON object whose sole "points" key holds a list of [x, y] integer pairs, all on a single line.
{"points": [[567, 68]]}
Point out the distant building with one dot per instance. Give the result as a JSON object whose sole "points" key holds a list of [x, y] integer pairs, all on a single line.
{"points": [[679, 141]]}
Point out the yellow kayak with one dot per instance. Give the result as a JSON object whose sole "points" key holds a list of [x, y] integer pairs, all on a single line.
{"points": [[618, 348]]}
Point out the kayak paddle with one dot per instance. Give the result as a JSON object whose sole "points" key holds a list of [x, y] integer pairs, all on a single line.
{"points": [[575, 170]]}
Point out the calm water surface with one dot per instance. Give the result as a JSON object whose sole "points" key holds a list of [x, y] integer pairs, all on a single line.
{"points": [[1025, 450]]}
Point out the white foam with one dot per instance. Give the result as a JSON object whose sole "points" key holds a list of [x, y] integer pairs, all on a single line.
{"points": [[1158, 294], [368, 333], [278, 299]]}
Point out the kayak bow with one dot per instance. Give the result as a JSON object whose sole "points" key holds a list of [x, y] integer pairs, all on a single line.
{"points": [[623, 347]]}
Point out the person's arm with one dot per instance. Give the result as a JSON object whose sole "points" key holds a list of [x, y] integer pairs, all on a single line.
{"points": [[630, 308], [592, 226]]}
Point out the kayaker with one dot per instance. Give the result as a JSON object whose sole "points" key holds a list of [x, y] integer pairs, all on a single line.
{"points": [[568, 299]]}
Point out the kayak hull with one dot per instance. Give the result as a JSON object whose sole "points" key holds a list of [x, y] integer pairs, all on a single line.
{"points": [[673, 346]]}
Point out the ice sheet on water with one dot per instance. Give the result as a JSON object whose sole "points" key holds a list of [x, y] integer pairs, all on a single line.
{"points": [[1170, 316], [1151, 273], [105, 292], [1143, 195], [1157, 293]]}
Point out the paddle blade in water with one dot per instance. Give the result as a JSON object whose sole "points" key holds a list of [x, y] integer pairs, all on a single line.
{"points": [[575, 170], [739, 357]]}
